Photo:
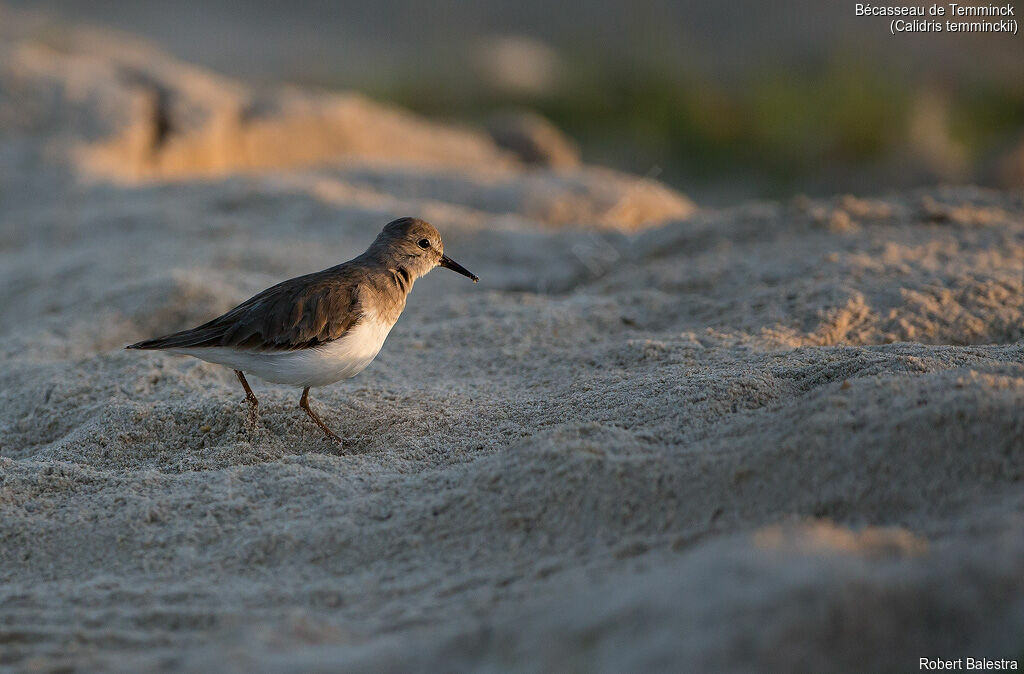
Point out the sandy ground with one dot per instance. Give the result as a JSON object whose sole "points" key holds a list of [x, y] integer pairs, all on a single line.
{"points": [[778, 436]]}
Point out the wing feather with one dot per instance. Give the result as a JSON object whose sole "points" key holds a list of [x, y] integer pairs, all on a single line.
{"points": [[295, 314]]}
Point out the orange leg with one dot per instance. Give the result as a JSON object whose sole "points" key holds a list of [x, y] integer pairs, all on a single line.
{"points": [[304, 404], [249, 397]]}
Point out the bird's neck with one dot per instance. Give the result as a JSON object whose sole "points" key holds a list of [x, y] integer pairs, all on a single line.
{"points": [[402, 278], [397, 272]]}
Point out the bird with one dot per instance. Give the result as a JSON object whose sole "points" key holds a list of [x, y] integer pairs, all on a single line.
{"points": [[320, 328]]}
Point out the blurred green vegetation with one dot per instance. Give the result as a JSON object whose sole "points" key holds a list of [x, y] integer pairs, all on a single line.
{"points": [[776, 127]]}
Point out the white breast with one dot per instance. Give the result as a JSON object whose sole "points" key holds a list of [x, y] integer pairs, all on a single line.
{"points": [[318, 366]]}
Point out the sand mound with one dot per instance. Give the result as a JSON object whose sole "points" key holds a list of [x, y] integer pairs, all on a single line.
{"points": [[140, 116], [779, 436]]}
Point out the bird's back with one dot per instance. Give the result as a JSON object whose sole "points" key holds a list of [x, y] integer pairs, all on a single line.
{"points": [[299, 313]]}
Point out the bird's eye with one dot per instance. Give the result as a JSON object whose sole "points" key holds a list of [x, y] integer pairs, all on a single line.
{"points": [[423, 243]]}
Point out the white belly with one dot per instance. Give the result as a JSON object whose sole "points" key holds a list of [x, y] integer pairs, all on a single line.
{"points": [[318, 366]]}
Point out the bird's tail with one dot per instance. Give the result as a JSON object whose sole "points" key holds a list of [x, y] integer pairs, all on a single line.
{"points": [[181, 340]]}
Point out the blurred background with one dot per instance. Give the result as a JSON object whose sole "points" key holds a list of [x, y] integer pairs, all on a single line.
{"points": [[724, 101]]}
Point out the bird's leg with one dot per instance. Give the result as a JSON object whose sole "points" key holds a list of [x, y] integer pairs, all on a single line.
{"points": [[304, 404], [249, 398]]}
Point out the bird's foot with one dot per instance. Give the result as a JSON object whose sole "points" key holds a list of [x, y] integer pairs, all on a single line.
{"points": [[332, 436], [253, 416], [304, 404]]}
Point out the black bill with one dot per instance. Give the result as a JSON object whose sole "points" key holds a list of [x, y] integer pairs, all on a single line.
{"points": [[449, 263]]}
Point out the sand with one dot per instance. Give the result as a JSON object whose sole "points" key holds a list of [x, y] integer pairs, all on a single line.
{"points": [[774, 436]]}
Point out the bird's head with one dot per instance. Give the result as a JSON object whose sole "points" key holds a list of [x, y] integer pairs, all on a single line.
{"points": [[416, 246]]}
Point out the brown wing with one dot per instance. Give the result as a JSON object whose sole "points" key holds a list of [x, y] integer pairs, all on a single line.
{"points": [[297, 313]]}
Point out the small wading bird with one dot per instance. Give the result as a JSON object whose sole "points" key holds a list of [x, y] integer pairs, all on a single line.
{"points": [[320, 328]]}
